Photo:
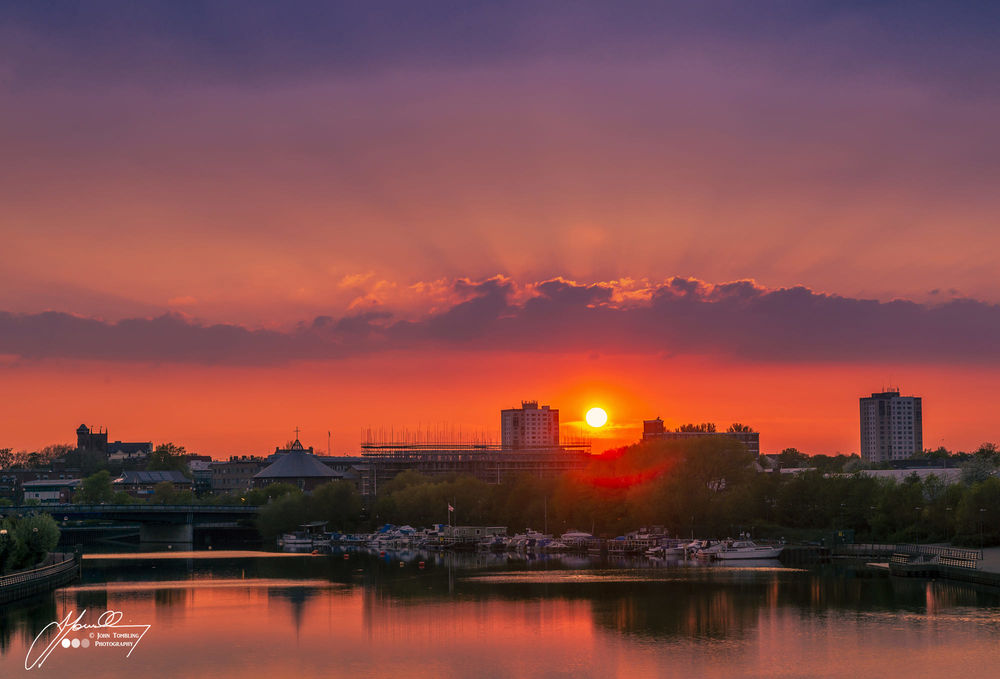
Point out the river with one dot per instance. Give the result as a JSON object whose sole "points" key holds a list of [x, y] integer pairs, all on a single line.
{"points": [[458, 616]]}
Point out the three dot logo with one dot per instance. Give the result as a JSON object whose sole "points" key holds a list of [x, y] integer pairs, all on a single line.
{"points": [[76, 643]]}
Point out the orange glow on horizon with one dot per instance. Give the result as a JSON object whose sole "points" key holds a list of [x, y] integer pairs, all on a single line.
{"points": [[224, 411]]}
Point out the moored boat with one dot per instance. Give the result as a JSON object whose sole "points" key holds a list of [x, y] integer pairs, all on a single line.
{"points": [[748, 549], [310, 536]]}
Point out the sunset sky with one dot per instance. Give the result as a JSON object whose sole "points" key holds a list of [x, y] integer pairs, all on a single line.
{"points": [[224, 220]]}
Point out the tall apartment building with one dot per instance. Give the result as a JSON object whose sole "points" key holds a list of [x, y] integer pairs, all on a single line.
{"points": [[891, 427], [530, 426]]}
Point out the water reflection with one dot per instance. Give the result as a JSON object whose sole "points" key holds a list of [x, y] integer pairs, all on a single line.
{"points": [[480, 615]]}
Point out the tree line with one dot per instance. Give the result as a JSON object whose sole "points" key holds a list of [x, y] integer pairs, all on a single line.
{"points": [[706, 488]]}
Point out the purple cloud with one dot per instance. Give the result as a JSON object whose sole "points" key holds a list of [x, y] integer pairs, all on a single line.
{"points": [[679, 316]]}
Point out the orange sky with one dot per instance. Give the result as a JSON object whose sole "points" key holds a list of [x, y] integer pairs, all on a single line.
{"points": [[239, 410], [218, 225]]}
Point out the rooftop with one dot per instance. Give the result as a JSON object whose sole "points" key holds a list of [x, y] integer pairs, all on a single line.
{"points": [[173, 476], [296, 464]]}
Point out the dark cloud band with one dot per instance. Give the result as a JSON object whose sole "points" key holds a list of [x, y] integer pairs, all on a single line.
{"points": [[679, 316]]}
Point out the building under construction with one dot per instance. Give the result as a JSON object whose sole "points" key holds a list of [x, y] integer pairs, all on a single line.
{"points": [[389, 452]]}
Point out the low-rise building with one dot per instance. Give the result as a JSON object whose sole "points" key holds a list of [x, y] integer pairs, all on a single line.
{"points": [[10, 488], [12, 480], [472, 532], [201, 475], [141, 484], [946, 474], [129, 451], [654, 429], [50, 491], [235, 475]]}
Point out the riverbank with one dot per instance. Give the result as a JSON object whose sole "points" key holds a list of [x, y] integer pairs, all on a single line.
{"points": [[209, 554], [57, 570]]}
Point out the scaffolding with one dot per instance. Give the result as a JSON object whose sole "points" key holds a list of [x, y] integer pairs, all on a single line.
{"points": [[390, 451], [377, 441]]}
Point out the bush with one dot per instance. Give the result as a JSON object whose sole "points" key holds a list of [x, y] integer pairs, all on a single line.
{"points": [[27, 541]]}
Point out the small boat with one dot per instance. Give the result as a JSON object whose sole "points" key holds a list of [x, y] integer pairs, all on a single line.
{"points": [[310, 536], [576, 540], [669, 549], [708, 549]]}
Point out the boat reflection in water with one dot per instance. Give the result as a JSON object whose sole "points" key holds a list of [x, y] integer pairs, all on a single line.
{"points": [[486, 615]]}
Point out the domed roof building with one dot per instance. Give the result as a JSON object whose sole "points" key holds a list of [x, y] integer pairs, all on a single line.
{"points": [[295, 465]]}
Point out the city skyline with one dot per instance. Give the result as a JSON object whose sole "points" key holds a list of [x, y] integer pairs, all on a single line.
{"points": [[512, 433], [217, 223]]}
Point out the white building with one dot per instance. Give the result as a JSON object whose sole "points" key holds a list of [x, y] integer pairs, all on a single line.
{"points": [[50, 491], [891, 427], [530, 426]]}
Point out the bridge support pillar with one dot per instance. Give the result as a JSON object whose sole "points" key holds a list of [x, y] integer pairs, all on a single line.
{"points": [[167, 533]]}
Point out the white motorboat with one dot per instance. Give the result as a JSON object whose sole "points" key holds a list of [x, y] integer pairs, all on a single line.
{"points": [[747, 549]]}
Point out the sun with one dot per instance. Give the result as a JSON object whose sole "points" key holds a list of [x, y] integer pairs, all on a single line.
{"points": [[596, 417]]}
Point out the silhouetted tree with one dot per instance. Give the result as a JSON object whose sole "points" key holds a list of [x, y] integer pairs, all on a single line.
{"points": [[704, 427], [95, 489], [167, 457], [791, 457], [269, 493]]}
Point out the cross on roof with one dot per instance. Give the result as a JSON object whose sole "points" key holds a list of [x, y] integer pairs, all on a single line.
{"points": [[296, 433]]}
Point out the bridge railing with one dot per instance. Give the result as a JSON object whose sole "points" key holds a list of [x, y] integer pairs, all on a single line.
{"points": [[138, 507]]}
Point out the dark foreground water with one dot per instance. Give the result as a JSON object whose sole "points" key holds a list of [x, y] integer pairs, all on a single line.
{"points": [[309, 617]]}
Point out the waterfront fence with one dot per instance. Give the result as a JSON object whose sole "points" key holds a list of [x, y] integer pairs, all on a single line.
{"points": [[64, 569], [950, 556]]}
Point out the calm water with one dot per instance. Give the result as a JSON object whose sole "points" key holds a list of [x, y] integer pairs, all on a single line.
{"points": [[368, 617]]}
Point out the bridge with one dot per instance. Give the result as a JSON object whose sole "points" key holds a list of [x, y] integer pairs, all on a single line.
{"points": [[157, 523]]}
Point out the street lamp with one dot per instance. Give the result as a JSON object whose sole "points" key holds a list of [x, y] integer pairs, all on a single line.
{"points": [[871, 529], [917, 510], [981, 510]]}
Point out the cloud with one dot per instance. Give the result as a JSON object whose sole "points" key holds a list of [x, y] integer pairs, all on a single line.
{"points": [[677, 316], [355, 280]]}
